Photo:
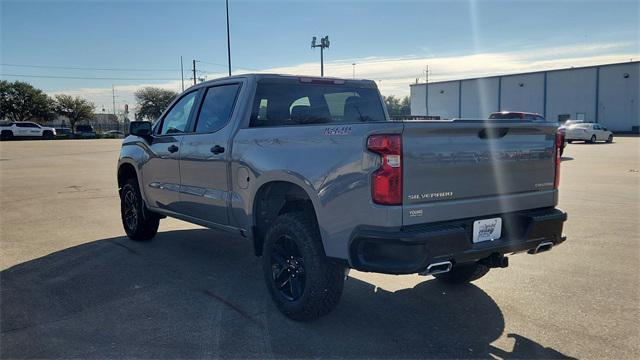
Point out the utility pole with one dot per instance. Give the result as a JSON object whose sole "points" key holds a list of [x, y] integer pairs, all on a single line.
{"points": [[182, 73], [194, 72], [324, 43], [354, 70], [113, 95], [228, 39], [426, 91]]}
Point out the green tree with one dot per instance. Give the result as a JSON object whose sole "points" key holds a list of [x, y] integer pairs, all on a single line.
{"points": [[152, 101], [74, 108], [405, 106], [20, 101]]}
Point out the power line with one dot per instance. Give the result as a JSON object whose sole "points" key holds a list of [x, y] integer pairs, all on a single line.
{"points": [[86, 78], [82, 68]]}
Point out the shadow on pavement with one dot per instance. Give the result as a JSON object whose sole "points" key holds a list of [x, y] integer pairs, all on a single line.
{"points": [[199, 293]]}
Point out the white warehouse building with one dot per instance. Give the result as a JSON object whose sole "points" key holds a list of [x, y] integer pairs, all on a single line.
{"points": [[605, 94]]}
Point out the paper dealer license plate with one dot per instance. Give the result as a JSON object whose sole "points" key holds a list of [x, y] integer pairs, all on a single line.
{"points": [[487, 229]]}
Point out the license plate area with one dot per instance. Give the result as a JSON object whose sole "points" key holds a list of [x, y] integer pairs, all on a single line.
{"points": [[487, 229]]}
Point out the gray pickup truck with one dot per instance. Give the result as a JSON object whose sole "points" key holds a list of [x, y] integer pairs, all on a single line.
{"points": [[317, 176]]}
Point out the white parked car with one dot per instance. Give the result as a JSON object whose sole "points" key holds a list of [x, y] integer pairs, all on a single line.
{"points": [[24, 130], [587, 132]]}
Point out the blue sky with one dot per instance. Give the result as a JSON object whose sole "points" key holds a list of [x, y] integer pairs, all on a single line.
{"points": [[391, 41]]}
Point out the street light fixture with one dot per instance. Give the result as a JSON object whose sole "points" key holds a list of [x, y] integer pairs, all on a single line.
{"points": [[324, 43]]}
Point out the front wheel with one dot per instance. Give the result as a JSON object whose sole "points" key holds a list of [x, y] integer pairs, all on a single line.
{"points": [[47, 135], [301, 280], [462, 274], [610, 139], [138, 223]]}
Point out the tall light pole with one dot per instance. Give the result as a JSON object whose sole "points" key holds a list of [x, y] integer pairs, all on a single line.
{"points": [[182, 73], [228, 38], [324, 43], [354, 70]]}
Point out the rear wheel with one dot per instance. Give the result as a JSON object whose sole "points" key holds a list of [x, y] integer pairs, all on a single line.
{"points": [[570, 141], [610, 138], [47, 135], [6, 135], [301, 280], [463, 273], [593, 139], [138, 223]]}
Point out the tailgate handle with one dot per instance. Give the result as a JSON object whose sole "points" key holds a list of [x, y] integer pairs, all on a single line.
{"points": [[493, 133]]}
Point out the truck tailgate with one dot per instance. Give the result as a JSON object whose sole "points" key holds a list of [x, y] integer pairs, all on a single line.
{"points": [[463, 168]]}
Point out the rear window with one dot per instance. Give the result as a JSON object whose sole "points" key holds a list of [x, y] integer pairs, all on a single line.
{"points": [[279, 103], [506, 116]]}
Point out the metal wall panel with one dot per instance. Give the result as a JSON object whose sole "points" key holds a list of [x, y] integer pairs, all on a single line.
{"points": [[443, 99], [572, 92], [523, 93], [618, 106], [479, 97], [418, 99]]}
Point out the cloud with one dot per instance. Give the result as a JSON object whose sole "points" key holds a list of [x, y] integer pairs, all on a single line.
{"points": [[394, 74]]}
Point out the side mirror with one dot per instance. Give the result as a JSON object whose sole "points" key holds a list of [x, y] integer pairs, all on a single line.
{"points": [[140, 128]]}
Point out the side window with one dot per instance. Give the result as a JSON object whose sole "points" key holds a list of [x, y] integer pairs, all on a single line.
{"points": [[176, 120], [216, 108]]}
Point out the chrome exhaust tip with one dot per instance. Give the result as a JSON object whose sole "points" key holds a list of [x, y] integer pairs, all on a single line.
{"points": [[438, 268], [542, 247]]}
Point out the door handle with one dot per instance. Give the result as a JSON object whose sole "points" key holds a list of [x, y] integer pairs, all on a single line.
{"points": [[217, 149], [172, 148]]}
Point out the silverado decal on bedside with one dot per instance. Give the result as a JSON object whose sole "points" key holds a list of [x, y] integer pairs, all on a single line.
{"points": [[429, 196]]}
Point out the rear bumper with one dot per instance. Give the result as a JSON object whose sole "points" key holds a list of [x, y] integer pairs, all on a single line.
{"points": [[411, 249]]}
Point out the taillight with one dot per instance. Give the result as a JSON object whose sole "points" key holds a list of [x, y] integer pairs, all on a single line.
{"points": [[559, 141], [386, 182]]}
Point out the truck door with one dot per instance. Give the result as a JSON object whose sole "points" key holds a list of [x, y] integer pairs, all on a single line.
{"points": [[161, 173], [205, 155]]}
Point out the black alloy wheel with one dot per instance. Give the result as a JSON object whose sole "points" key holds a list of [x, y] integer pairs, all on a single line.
{"points": [[130, 210], [287, 268]]}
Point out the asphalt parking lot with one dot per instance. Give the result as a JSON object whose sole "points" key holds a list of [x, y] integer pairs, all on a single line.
{"points": [[73, 287]]}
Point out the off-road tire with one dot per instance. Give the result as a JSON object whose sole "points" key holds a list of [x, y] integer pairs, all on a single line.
{"points": [[593, 139], [462, 274], [146, 223], [6, 135], [323, 280]]}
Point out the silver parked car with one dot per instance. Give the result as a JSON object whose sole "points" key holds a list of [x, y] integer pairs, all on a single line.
{"points": [[587, 132]]}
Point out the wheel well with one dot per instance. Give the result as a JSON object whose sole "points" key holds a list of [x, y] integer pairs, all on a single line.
{"points": [[126, 172], [274, 199]]}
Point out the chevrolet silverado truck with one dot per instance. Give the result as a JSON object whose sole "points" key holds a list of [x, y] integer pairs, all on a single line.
{"points": [[317, 176], [26, 130]]}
